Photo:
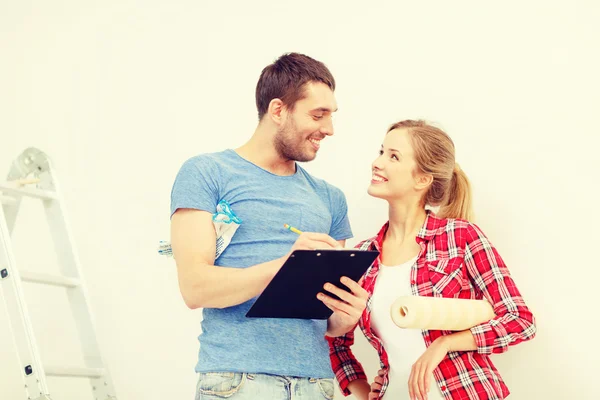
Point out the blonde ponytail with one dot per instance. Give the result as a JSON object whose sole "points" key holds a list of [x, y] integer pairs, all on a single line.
{"points": [[459, 199]]}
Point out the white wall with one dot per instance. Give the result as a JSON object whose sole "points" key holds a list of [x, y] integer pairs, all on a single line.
{"points": [[120, 93]]}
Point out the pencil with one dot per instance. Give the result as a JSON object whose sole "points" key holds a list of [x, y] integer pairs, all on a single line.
{"points": [[291, 228]]}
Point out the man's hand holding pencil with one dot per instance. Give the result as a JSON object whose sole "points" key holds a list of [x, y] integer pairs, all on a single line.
{"points": [[314, 241]]}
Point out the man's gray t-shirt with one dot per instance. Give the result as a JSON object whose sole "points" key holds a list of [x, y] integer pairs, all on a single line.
{"points": [[229, 341]]}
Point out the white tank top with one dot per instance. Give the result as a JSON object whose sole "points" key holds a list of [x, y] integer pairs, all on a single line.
{"points": [[403, 346]]}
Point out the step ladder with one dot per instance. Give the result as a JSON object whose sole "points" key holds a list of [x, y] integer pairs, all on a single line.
{"points": [[34, 167]]}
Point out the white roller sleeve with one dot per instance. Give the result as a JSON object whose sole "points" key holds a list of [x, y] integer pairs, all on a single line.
{"points": [[416, 312]]}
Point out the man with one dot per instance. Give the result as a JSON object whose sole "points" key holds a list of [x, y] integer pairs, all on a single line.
{"points": [[256, 358]]}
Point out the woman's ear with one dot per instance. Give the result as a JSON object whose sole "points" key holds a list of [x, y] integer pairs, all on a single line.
{"points": [[423, 181]]}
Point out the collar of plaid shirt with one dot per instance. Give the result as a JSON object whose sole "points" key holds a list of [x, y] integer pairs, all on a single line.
{"points": [[430, 228]]}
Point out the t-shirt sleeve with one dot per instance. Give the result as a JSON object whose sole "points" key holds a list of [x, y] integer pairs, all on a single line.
{"points": [[196, 185], [340, 224]]}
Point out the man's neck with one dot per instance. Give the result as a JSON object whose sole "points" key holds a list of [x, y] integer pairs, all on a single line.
{"points": [[260, 151]]}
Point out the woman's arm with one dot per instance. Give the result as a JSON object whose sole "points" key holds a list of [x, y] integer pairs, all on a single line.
{"points": [[459, 341], [360, 388], [345, 366], [514, 322]]}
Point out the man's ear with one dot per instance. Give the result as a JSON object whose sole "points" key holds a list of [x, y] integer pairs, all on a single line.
{"points": [[276, 111], [423, 181]]}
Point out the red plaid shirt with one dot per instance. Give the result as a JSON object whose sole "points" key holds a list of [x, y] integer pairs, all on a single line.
{"points": [[456, 260]]}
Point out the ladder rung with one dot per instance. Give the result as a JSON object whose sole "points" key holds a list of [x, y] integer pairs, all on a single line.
{"points": [[46, 279], [11, 188], [75, 372], [7, 200]]}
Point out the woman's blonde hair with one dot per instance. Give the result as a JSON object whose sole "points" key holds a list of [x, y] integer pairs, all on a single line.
{"points": [[434, 155]]}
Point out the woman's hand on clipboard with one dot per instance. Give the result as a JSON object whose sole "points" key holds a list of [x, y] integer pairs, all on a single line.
{"points": [[346, 311]]}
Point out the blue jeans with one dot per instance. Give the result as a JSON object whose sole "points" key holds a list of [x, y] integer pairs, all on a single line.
{"points": [[243, 386]]}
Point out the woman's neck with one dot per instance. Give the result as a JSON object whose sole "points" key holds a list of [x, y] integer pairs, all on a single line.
{"points": [[405, 221]]}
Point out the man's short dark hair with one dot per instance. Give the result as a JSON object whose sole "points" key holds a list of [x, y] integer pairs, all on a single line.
{"points": [[285, 80]]}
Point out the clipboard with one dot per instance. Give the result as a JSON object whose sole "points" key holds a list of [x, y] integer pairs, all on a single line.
{"points": [[292, 293]]}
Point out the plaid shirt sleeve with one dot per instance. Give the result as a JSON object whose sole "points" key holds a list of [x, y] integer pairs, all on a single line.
{"points": [[345, 366], [514, 322]]}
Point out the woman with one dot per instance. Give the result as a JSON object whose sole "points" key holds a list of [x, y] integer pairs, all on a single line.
{"points": [[430, 254]]}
